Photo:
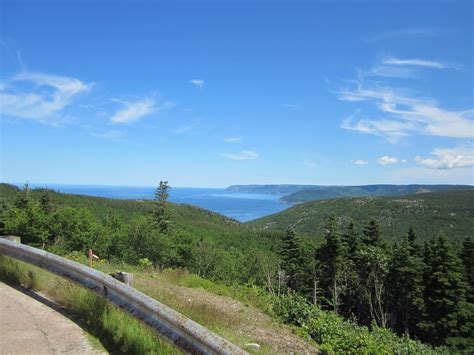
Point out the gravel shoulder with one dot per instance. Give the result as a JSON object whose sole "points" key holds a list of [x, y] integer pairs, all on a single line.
{"points": [[31, 327]]}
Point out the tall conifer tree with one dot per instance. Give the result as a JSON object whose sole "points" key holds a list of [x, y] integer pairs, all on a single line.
{"points": [[291, 259], [160, 212], [446, 310], [373, 234], [405, 286]]}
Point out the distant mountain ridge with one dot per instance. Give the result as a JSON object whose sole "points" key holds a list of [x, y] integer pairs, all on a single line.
{"points": [[329, 192], [276, 189], [305, 193], [443, 212]]}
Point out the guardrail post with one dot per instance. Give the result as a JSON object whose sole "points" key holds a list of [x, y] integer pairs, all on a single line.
{"points": [[12, 238], [124, 277]]}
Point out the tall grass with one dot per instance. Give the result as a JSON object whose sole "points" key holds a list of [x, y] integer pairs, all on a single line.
{"points": [[117, 331]]}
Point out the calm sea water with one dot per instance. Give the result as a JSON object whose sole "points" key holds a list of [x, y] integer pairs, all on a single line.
{"points": [[242, 207]]}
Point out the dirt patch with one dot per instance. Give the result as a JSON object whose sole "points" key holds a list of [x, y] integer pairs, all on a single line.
{"points": [[231, 318]]}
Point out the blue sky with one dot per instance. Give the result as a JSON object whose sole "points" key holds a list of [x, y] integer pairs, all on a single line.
{"points": [[209, 93]]}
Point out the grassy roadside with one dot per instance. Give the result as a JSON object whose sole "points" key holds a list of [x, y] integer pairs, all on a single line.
{"points": [[223, 315], [116, 331], [241, 314], [236, 313]]}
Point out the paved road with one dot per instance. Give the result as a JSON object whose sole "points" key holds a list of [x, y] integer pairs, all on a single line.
{"points": [[30, 327]]}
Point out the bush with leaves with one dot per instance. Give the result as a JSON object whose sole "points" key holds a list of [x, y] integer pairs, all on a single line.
{"points": [[337, 335]]}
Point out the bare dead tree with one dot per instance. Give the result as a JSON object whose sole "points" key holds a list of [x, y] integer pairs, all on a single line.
{"points": [[282, 281], [270, 274], [375, 293], [315, 290]]}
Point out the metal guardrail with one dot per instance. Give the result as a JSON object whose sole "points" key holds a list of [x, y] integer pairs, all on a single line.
{"points": [[180, 330]]}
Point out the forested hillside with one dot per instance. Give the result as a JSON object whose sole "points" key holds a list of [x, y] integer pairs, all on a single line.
{"points": [[394, 294], [329, 192], [123, 230], [449, 212], [305, 193], [204, 224]]}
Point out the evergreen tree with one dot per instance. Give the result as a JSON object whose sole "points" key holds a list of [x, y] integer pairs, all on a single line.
{"points": [[291, 259], [351, 296], [467, 258], [22, 198], [446, 315], [351, 240], [330, 256], [373, 234], [160, 212], [46, 203], [405, 286], [411, 237]]}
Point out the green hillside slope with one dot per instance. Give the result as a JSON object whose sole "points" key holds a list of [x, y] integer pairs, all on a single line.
{"points": [[261, 267], [210, 226], [447, 212]]}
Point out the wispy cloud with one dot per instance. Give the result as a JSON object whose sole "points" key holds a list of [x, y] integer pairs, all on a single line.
{"points": [[402, 34], [360, 162], [391, 67], [424, 175], [197, 82], [134, 110], [243, 155], [414, 62], [449, 158], [110, 134], [292, 107], [233, 139], [189, 127], [38, 96], [387, 160], [407, 114], [310, 164], [393, 129], [388, 71]]}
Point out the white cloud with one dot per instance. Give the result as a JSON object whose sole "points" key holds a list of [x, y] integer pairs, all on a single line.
{"points": [[243, 155], [110, 134], [449, 158], [387, 160], [135, 110], [38, 96], [198, 82], [407, 114], [233, 139], [415, 62], [360, 162], [187, 127]]}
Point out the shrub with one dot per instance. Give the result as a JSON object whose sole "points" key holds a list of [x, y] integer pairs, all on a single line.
{"points": [[145, 262], [336, 335]]}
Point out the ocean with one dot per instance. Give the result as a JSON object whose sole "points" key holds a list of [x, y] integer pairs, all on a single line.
{"points": [[242, 207]]}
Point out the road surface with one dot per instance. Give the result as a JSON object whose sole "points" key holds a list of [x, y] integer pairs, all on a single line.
{"points": [[31, 327]]}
